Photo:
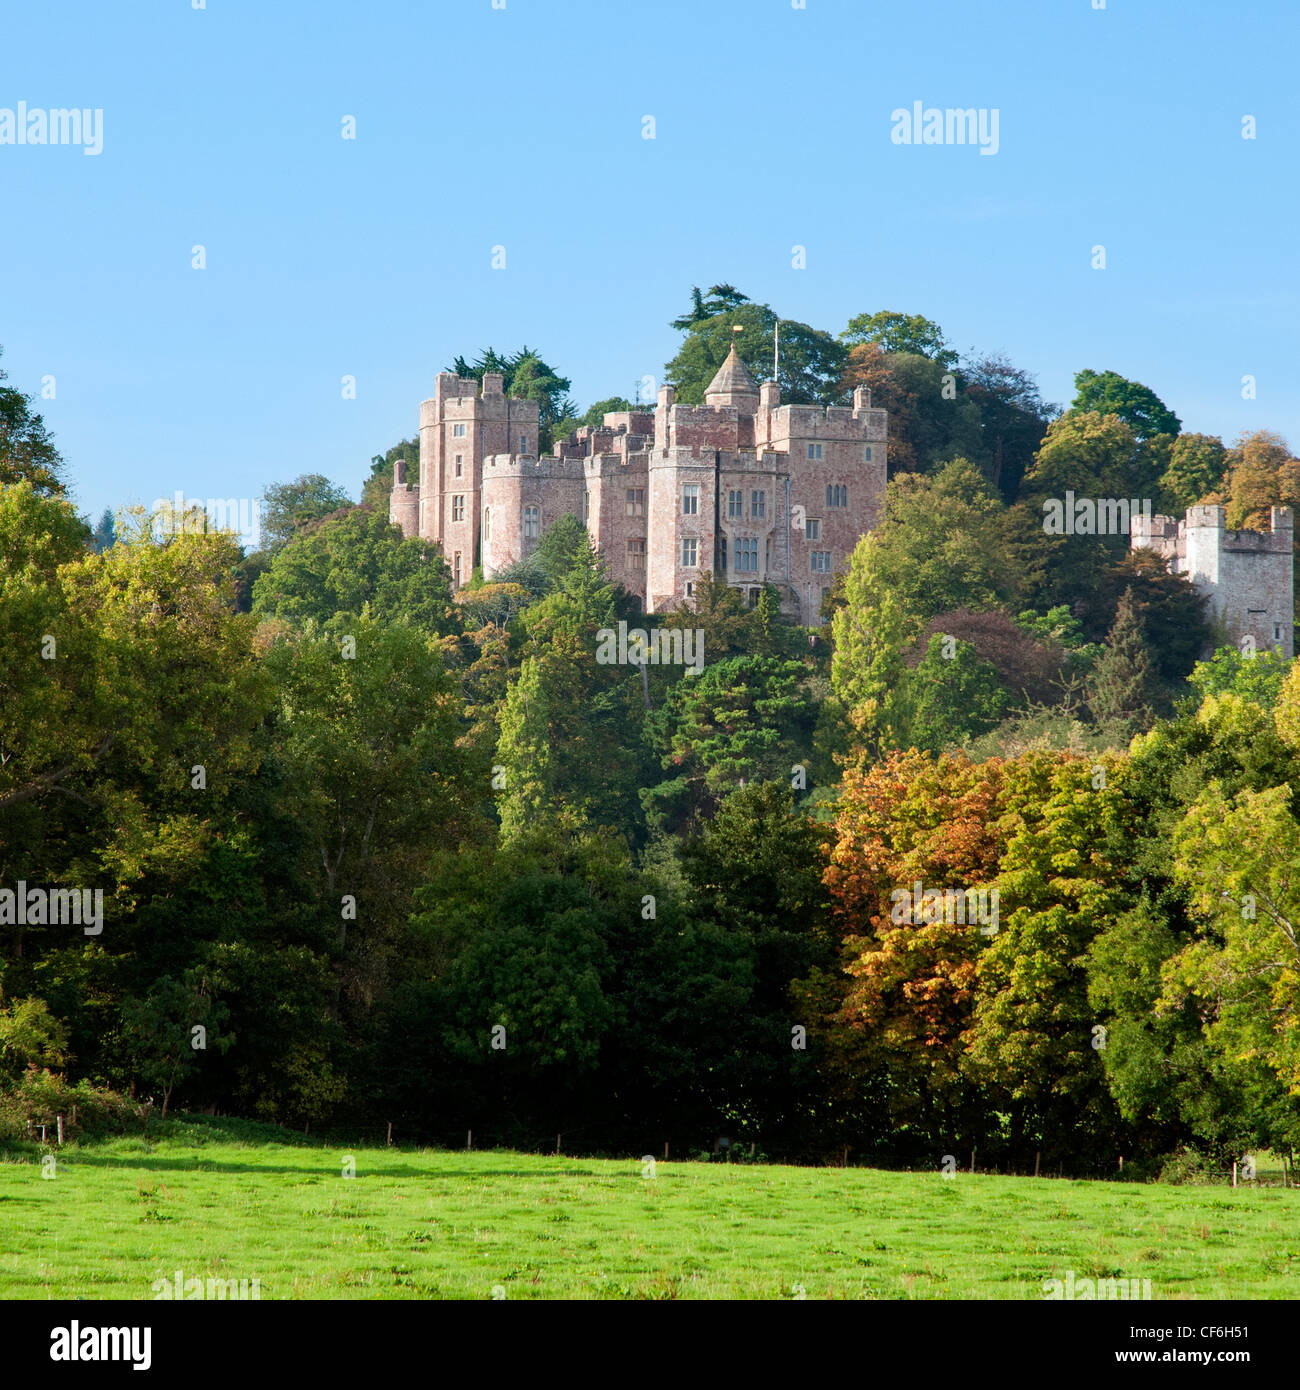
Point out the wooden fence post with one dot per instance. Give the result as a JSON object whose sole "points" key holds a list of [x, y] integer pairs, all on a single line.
{"points": [[60, 1120], [1037, 1155]]}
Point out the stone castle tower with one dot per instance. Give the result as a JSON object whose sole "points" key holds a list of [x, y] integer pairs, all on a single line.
{"points": [[1246, 575], [753, 490]]}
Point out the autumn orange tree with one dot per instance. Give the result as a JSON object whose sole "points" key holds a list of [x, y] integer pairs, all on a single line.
{"points": [[894, 1020]]}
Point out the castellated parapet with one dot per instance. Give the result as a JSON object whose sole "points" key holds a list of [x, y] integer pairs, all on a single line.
{"points": [[1246, 576], [518, 491], [753, 490]]}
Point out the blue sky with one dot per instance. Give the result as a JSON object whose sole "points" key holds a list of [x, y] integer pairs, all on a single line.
{"points": [[522, 127]]}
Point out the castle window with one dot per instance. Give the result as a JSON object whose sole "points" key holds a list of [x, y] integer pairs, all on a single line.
{"points": [[487, 523], [866, 453], [636, 554], [691, 499], [690, 552], [722, 554], [820, 561], [455, 569], [690, 589], [460, 464], [458, 431], [814, 451], [758, 504], [586, 505], [532, 523], [523, 443], [747, 555], [1277, 632], [812, 529], [837, 495], [735, 503], [458, 507], [635, 501]]}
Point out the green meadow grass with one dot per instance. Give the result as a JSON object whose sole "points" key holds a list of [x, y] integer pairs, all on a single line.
{"points": [[436, 1224]]}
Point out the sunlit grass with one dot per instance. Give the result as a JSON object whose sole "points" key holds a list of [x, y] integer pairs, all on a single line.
{"points": [[121, 1214]]}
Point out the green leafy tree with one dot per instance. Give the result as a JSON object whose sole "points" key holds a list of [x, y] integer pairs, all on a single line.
{"points": [[27, 452], [1197, 464], [1108, 393], [897, 332], [344, 563], [30, 1036], [160, 1031], [287, 506], [1257, 676], [954, 696], [367, 733]]}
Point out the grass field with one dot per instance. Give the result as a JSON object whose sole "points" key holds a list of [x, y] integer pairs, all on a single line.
{"points": [[120, 1214]]}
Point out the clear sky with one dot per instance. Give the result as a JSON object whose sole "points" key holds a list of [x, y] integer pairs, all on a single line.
{"points": [[522, 127]]}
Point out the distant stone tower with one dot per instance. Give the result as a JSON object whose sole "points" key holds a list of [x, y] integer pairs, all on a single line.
{"points": [[1246, 575], [460, 426]]}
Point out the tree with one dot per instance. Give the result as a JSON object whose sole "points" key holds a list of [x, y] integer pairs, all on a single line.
{"points": [[1108, 393], [896, 332], [27, 452], [287, 506], [740, 720], [1237, 858], [719, 299], [811, 362], [1120, 686], [955, 695], [1254, 676], [1013, 417], [160, 1031], [931, 420], [939, 544], [103, 534], [1262, 474], [1197, 464], [343, 563], [367, 736], [376, 489], [30, 1036]]}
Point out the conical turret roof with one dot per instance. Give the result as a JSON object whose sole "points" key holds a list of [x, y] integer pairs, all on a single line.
{"points": [[732, 379]]}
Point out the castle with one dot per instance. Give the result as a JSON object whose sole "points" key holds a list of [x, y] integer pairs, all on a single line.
{"points": [[1246, 575], [755, 491]]}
